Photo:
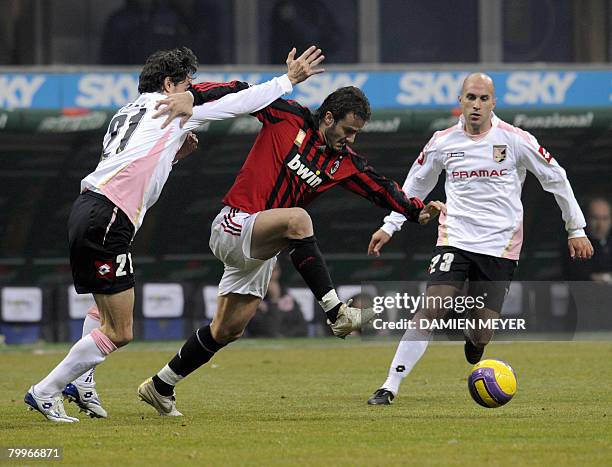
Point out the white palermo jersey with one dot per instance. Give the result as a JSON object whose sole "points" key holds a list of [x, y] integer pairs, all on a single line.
{"points": [[138, 154], [484, 179]]}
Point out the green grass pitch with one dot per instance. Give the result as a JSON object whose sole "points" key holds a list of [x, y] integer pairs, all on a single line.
{"points": [[303, 402]]}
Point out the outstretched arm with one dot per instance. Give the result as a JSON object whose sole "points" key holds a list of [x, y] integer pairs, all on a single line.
{"points": [[386, 193], [226, 100], [380, 238], [553, 179], [421, 179]]}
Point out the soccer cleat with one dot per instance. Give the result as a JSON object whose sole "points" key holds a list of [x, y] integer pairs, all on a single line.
{"points": [[473, 354], [86, 398], [381, 396], [165, 405], [52, 409], [350, 319]]}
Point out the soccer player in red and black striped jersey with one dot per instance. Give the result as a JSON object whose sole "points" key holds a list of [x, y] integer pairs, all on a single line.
{"points": [[297, 156]]}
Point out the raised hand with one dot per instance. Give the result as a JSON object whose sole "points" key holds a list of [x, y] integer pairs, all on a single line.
{"points": [[175, 105], [301, 68]]}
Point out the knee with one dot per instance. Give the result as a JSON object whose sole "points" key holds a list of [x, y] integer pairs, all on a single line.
{"points": [[227, 334], [299, 224], [121, 337], [123, 341]]}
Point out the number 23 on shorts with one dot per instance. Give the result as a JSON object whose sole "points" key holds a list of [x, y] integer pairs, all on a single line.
{"points": [[447, 260]]}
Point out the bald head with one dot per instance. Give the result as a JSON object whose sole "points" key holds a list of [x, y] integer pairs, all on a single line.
{"points": [[477, 101], [479, 79]]}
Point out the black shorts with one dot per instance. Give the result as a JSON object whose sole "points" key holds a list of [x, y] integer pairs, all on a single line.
{"points": [[489, 276], [100, 235]]}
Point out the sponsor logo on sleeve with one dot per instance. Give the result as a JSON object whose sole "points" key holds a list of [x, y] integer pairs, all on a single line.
{"points": [[545, 154]]}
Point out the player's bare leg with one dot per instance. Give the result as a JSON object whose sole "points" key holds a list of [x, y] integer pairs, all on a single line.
{"points": [[115, 331], [234, 311], [273, 230], [291, 228], [412, 346]]}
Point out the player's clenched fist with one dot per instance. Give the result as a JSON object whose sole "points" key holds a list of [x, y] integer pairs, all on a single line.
{"points": [[431, 211], [580, 248]]}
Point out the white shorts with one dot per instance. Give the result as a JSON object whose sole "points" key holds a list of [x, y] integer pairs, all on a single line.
{"points": [[230, 241]]}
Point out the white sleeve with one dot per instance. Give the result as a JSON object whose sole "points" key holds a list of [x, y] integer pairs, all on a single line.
{"points": [[421, 179], [239, 103], [553, 179]]}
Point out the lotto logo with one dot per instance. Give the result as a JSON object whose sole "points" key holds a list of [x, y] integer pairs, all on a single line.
{"points": [[104, 269], [545, 154]]}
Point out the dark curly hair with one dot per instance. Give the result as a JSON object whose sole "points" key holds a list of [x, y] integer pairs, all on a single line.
{"points": [[344, 101], [178, 64]]}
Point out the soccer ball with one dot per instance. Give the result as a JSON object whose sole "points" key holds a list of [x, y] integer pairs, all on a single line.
{"points": [[492, 383]]}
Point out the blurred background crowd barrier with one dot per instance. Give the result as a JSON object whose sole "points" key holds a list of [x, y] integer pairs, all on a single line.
{"points": [[170, 311]]}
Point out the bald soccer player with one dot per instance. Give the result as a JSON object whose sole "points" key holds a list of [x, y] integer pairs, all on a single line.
{"points": [[480, 235]]}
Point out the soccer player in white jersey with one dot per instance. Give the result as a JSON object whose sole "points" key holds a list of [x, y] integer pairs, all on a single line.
{"points": [[479, 237], [138, 154]]}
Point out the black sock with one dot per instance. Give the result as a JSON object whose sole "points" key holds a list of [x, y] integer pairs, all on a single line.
{"points": [[332, 314], [162, 387], [309, 262], [196, 351]]}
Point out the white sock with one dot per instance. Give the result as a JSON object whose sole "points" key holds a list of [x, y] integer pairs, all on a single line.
{"points": [[88, 352], [409, 351], [329, 300], [92, 321], [168, 376]]}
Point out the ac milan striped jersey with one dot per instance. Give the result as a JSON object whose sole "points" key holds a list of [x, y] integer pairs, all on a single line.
{"points": [[289, 165], [484, 179], [138, 154]]}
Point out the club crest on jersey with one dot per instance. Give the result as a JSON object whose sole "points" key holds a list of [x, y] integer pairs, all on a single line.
{"points": [[499, 153], [334, 167], [309, 176]]}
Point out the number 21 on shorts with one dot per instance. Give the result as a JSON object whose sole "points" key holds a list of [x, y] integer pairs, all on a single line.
{"points": [[121, 260], [447, 259]]}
